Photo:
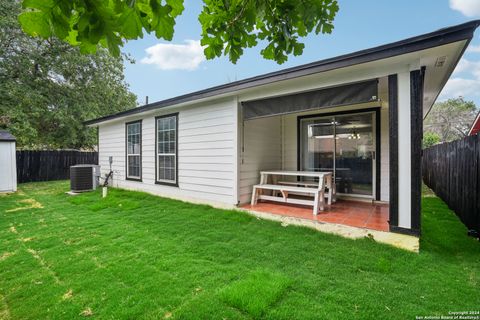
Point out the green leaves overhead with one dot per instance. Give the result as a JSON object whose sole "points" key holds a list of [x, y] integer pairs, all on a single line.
{"points": [[228, 26], [89, 23]]}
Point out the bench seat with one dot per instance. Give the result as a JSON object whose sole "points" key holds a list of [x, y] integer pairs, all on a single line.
{"points": [[318, 202], [330, 195]]}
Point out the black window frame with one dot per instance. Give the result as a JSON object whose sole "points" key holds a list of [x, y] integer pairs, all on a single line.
{"points": [[126, 150], [165, 183]]}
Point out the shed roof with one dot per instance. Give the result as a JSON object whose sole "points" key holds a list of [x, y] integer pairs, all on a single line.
{"points": [[429, 40], [6, 136]]}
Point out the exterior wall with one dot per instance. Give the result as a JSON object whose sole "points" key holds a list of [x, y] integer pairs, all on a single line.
{"points": [[261, 146], [206, 153], [8, 167]]}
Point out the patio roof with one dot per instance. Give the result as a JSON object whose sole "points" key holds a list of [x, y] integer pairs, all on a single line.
{"points": [[434, 39]]}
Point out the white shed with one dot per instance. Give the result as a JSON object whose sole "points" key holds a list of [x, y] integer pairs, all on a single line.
{"points": [[8, 162]]}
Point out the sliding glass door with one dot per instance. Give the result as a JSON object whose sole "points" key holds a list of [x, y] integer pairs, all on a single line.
{"points": [[344, 145]]}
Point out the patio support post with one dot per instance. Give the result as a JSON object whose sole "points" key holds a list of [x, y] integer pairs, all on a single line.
{"points": [[416, 112], [393, 150]]}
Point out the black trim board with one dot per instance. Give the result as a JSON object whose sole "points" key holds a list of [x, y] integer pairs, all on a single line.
{"points": [[377, 138], [126, 151], [416, 136], [173, 184], [393, 149], [433, 39], [410, 232]]}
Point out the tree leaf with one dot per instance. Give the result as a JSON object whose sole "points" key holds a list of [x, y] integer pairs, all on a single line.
{"points": [[35, 23], [42, 5], [131, 24]]}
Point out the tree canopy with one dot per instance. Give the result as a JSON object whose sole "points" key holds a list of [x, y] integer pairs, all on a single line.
{"points": [[451, 119], [228, 26], [430, 139], [48, 88]]}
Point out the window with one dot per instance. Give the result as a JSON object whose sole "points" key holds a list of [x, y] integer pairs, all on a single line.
{"points": [[166, 140], [134, 150]]}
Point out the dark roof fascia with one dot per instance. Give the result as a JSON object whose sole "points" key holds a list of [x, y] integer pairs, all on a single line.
{"points": [[433, 39]]}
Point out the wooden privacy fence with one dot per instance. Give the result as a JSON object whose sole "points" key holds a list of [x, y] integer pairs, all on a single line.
{"points": [[50, 165], [452, 171]]}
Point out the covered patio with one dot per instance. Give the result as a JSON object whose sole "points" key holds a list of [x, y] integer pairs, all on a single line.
{"points": [[340, 131], [346, 212]]}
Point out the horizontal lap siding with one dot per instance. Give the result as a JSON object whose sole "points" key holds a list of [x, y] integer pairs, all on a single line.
{"points": [[261, 151], [205, 154]]}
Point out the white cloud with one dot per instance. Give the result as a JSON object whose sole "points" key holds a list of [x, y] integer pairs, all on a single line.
{"points": [[167, 56], [475, 49], [469, 8], [456, 87], [468, 66], [465, 81]]}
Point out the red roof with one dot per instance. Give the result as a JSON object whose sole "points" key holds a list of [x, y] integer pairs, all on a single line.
{"points": [[475, 126]]}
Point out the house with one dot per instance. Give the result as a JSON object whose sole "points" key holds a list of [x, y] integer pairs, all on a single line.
{"points": [[357, 115], [475, 126]]}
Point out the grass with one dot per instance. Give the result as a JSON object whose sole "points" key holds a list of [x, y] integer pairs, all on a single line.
{"points": [[137, 256]]}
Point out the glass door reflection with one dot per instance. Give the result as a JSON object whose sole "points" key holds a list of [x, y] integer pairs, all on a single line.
{"points": [[344, 145]]}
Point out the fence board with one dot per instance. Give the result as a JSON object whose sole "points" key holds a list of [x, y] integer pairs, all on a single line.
{"points": [[33, 165], [452, 171]]}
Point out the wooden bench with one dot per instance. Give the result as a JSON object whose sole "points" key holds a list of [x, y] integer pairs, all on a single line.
{"points": [[330, 195], [318, 201]]}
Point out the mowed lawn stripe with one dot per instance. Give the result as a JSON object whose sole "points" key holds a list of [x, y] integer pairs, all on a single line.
{"points": [[134, 255]]}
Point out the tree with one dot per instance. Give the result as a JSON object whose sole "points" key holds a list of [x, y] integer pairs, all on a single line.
{"points": [[430, 139], [48, 88], [228, 26], [451, 119]]}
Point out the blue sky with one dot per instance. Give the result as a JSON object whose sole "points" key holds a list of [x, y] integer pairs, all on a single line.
{"points": [[168, 69]]}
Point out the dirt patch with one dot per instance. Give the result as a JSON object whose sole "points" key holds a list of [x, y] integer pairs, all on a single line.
{"points": [[87, 313], [26, 205], [5, 255], [26, 239], [13, 230], [4, 310], [68, 295]]}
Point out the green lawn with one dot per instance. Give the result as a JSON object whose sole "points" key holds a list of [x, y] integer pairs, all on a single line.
{"points": [[136, 256]]}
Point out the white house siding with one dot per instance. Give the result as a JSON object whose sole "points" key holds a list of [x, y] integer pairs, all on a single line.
{"points": [[206, 154], [261, 144]]}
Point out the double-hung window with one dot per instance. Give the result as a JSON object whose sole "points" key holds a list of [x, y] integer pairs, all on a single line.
{"points": [[166, 150], [134, 150]]}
